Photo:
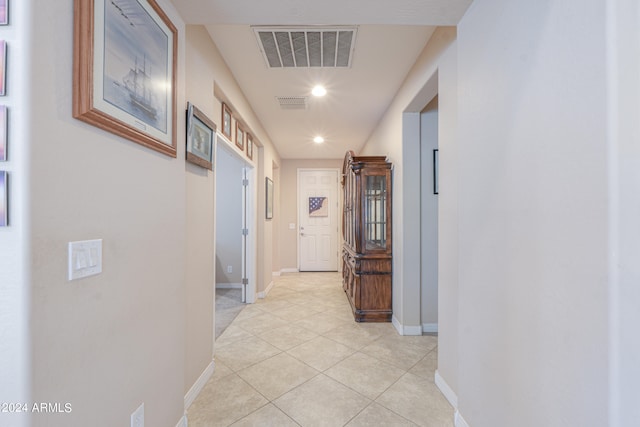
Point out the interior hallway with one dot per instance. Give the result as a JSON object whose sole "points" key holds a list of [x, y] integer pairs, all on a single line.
{"points": [[297, 358]]}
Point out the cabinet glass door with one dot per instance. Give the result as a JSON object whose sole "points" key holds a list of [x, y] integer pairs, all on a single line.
{"points": [[375, 220]]}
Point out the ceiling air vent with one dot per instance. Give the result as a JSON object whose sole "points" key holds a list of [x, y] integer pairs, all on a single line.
{"points": [[306, 46], [292, 102]]}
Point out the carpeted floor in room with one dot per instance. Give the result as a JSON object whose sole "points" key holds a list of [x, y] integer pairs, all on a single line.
{"points": [[228, 306]]}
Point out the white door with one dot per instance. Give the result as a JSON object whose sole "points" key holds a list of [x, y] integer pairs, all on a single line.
{"points": [[318, 219]]}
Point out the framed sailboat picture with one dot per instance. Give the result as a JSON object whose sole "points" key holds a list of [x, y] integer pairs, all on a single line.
{"points": [[125, 54]]}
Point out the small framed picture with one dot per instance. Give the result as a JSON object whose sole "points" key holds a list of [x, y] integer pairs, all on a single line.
{"points": [[200, 137], [3, 133], [269, 198], [3, 67], [249, 146], [4, 199], [435, 172], [226, 121], [4, 12], [239, 136]]}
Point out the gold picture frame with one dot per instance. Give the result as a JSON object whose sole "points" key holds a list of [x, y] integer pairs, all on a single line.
{"points": [[249, 139], [268, 198], [226, 121], [125, 65], [239, 136], [201, 136]]}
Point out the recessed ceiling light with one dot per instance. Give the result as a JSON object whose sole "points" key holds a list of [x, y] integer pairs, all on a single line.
{"points": [[319, 91], [318, 140]]}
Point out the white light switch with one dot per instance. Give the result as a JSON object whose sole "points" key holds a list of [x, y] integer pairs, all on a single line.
{"points": [[137, 418], [85, 258], [292, 226]]}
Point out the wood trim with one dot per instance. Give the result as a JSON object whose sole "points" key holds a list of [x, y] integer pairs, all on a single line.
{"points": [[240, 131], [83, 76]]}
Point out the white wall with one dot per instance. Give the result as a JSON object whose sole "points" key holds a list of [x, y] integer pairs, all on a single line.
{"points": [[14, 256], [200, 256], [624, 157], [265, 155], [428, 219], [533, 214], [398, 137], [276, 223], [120, 338], [106, 343], [208, 73]]}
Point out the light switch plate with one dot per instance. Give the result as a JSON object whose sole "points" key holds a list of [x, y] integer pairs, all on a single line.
{"points": [[292, 226], [137, 418], [85, 258]]}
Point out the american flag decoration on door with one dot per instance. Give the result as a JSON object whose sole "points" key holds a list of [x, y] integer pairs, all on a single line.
{"points": [[318, 206]]}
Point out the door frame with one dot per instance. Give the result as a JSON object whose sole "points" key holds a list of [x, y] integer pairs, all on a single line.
{"points": [[338, 217]]}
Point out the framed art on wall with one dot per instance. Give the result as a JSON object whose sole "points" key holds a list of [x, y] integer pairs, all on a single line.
{"points": [[239, 136], [3, 67], [249, 145], [3, 133], [4, 12], [4, 199], [269, 198], [435, 172], [226, 121], [125, 62], [201, 133]]}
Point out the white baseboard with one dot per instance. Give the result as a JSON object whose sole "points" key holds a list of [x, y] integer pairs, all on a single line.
{"points": [[289, 270], [430, 328], [264, 293], [228, 285], [276, 273], [396, 324], [452, 397], [459, 421], [447, 391], [197, 387], [405, 330], [183, 421]]}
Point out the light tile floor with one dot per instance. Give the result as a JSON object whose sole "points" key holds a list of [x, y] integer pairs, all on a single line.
{"points": [[297, 358]]}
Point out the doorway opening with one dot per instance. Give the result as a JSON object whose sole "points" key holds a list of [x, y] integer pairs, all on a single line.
{"points": [[234, 235], [416, 276], [429, 156]]}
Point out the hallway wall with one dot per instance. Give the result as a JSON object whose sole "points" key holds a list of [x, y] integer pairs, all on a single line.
{"points": [[15, 261], [209, 75], [428, 219], [110, 342], [117, 339], [398, 137], [623, 37], [533, 214], [200, 211]]}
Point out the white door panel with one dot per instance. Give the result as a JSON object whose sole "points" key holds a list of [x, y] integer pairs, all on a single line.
{"points": [[318, 218]]}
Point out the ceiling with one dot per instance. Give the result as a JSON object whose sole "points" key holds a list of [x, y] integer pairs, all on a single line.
{"points": [[390, 36]]}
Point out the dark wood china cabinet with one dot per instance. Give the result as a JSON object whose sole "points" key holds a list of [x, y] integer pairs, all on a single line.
{"points": [[366, 227]]}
